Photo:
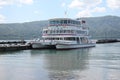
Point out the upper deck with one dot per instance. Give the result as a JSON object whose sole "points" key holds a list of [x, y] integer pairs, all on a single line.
{"points": [[65, 27], [64, 22]]}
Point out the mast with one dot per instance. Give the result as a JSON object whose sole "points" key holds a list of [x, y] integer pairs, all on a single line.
{"points": [[65, 14]]}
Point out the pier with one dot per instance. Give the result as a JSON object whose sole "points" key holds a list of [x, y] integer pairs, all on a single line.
{"points": [[14, 45], [101, 41], [24, 45]]}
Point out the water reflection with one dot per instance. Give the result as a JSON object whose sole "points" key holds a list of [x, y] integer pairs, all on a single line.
{"points": [[64, 64], [64, 60], [10, 52]]}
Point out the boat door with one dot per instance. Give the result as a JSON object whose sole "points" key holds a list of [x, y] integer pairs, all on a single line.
{"points": [[78, 41]]}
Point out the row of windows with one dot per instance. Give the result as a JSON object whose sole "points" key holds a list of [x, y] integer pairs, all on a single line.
{"points": [[81, 32], [83, 40], [64, 31], [55, 22], [58, 31], [53, 38]]}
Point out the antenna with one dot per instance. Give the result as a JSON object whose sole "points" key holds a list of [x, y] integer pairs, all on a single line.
{"points": [[65, 9], [66, 14]]}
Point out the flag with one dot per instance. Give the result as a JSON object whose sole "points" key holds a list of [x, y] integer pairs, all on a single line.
{"points": [[83, 21]]}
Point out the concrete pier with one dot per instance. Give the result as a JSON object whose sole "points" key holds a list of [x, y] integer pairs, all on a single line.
{"points": [[14, 45], [101, 41]]}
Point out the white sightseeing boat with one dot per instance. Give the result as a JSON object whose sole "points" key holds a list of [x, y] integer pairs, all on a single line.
{"points": [[64, 33]]}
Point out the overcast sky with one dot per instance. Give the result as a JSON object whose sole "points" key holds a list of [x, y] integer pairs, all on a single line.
{"points": [[12, 11]]}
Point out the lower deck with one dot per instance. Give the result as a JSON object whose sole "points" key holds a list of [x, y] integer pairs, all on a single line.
{"points": [[74, 40]]}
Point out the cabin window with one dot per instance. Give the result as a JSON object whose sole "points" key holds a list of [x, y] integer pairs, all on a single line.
{"points": [[68, 21], [65, 21], [61, 22], [57, 31], [60, 31], [64, 31], [60, 38], [57, 38], [70, 38], [72, 31], [55, 22], [74, 22], [84, 40], [46, 38], [68, 31], [78, 22], [78, 31], [71, 21], [50, 31], [45, 31], [81, 32], [53, 31], [58, 22], [52, 22], [85, 33]]}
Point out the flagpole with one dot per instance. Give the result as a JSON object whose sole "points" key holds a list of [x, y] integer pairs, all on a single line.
{"points": [[65, 14]]}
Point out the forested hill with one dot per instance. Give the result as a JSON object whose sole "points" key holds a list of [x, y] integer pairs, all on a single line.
{"points": [[27, 30], [100, 27]]}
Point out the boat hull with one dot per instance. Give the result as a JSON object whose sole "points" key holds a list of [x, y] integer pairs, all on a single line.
{"points": [[61, 46], [74, 46], [41, 46]]}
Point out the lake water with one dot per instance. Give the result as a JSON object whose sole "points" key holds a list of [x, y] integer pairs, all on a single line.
{"points": [[98, 63]]}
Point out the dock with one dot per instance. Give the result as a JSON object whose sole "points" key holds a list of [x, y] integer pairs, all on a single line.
{"points": [[14, 45], [101, 41], [24, 45]]}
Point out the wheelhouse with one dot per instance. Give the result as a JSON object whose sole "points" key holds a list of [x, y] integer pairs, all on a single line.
{"points": [[64, 22]]}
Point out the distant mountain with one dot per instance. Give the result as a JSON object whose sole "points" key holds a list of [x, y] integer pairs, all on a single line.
{"points": [[26, 30], [100, 27], [106, 27]]}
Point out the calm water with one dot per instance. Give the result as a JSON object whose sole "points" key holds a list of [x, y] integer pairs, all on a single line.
{"points": [[99, 63]]}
